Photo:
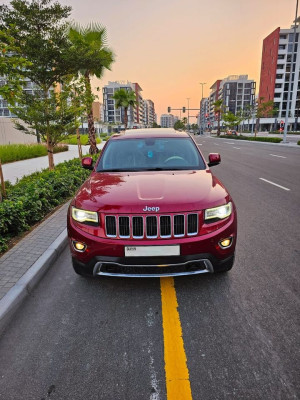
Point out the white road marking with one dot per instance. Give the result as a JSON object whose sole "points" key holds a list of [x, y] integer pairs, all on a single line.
{"points": [[199, 144], [275, 155], [236, 148], [216, 144], [275, 184]]}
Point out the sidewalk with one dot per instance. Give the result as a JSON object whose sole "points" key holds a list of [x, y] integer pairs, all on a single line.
{"points": [[24, 265], [18, 169]]}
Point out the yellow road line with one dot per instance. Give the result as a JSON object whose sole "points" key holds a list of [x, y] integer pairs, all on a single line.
{"points": [[177, 374]]}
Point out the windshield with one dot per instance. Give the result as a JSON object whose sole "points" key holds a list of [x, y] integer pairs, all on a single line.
{"points": [[151, 154]]}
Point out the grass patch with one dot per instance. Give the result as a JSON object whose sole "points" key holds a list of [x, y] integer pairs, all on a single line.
{"points": [[35, 196], [252, 138], [84, 140], [17, 152]]}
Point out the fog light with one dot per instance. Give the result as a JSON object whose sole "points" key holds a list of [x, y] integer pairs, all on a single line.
{"points": [[225, 243], [79, 246]]}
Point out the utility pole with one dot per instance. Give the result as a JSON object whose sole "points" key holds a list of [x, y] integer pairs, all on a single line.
{"points": [[188, 99], [290, 80], [201, 121]]}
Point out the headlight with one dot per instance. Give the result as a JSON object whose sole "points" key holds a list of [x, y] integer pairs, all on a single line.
{"points": [[218, 212], [84, 216]]}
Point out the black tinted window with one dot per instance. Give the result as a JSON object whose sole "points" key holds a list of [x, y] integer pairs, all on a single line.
{"points": [[151, 153]]}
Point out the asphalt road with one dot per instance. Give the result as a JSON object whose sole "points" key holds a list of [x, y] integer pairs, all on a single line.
{"points": [[103, 339]]}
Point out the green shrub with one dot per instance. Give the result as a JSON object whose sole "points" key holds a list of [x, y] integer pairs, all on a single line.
{"points": [[17, 152], [84, 140], [34, 196], [298, 143], [253, 138]]}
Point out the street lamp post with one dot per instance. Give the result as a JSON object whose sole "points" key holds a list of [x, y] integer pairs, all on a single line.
{"points": [[201, 120], [290, 80], [188, 99]]}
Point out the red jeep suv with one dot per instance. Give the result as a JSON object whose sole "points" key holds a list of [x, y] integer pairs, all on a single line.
{"points": [[151, 208]]}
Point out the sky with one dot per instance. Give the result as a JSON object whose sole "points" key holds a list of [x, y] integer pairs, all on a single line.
{"points": [[169, 46]]}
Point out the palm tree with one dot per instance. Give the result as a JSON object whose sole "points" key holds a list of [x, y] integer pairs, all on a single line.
{"points": [[124, 98], [89, 57], [218, 109]]}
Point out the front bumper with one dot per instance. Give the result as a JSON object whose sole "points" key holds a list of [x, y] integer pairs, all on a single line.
{"points": [[198, 254], [176, 266]]}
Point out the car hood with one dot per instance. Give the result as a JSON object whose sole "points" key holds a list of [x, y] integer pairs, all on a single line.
{"points": [[133, 192]]}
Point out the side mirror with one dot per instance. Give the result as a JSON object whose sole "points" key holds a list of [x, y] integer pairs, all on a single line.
{"points": [[87, 163], [214, 159]]}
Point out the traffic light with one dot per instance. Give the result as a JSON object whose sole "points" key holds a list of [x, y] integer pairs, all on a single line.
{"points": [[169, 109], [183, 109]]}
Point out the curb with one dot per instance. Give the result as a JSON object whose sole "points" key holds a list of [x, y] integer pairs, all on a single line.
{"points": [[13, 299]]}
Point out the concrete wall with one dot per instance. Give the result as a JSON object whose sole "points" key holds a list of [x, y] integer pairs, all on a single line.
{"points": [[9, 134]]}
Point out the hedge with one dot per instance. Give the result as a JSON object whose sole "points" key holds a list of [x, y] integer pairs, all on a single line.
{"points": [[17, 152], [84, 140], [298, 143], [252, 138], [34, 196]]}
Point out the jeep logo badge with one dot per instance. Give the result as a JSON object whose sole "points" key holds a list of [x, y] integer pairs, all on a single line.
{"points": [[156, 209]]}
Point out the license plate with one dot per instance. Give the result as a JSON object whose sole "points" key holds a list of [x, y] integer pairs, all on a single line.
{"points": [[148, 251]]}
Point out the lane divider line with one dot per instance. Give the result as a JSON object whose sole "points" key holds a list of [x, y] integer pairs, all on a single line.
{"points": [[236, 148], [177, 374], [275, 155], [275, 184]]}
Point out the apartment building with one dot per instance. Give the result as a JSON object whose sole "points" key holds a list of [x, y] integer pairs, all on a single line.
{"points": [[203, 116], [280, 60], [113, 115], [167, 120], [149, 113], [237, 93]]}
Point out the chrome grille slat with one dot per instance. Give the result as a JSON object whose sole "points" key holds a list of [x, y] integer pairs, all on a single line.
{"points": [[152, 226], [137, 227], [178, 224], [192, 224], [165, 226], [111, 226]]}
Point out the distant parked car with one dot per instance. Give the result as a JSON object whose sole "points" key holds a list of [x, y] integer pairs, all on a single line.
{"points": [[232, 132]]}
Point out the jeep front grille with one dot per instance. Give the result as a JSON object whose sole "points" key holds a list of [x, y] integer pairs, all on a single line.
{"points": [[151, 226]]}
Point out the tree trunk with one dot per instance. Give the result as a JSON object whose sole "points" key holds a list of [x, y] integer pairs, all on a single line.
{"points": [[79, 144], [219, 117], [256, 126], [50, 153], [91, 126], [92, 135], [125, 117], [2, 191]]}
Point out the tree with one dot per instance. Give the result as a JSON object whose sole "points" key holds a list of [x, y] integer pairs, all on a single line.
{"points": [[231, 120], [155, 125], [179, 125], [265, 109], [218, 109], [89, 56], [37, 29], [60, 120], [124, 98]]}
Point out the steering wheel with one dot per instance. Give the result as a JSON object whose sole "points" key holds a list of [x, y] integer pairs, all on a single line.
{"points": [[177, 158]]}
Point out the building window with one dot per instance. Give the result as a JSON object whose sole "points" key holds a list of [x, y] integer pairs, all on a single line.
{"points": [[280, 66], [280, 56], [282, 47], [279, 76], [282, 36]]}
